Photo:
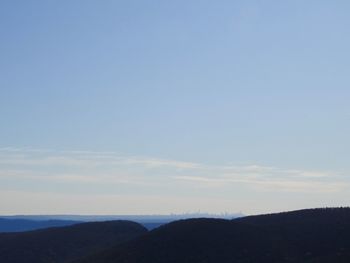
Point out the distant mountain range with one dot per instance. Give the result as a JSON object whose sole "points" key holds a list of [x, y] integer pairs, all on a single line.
{"points": [[304, 236], [136, 218], [21, 223]]}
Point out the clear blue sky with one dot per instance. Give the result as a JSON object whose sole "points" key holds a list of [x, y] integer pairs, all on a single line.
{"points": [[173, 106]]}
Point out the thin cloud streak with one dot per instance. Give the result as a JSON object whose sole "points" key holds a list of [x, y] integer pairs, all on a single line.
{"points": [[88, 167], [45, 157]]}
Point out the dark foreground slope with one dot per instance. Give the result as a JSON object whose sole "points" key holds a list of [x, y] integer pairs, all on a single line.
{"points": [[62, 244], [308, 236]]}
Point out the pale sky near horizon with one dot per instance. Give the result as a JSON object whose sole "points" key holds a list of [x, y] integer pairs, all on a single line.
{"points": [[156, 107]]}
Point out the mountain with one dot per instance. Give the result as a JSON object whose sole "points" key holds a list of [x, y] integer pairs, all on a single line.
{"points": [[62, 244], [31, 222], [20, 225], [308, 236], [136, 218]]}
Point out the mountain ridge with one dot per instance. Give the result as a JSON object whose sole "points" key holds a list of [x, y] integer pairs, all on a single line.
{"points": [[310, 236], [62, 244]]}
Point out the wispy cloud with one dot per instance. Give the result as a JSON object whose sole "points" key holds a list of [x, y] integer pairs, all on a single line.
{"points": [[267, 178], [275, 184], [69, 158], [90, 167]]}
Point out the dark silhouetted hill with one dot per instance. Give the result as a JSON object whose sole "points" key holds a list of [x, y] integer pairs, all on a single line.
{"points": [[62, 244], [20, 225], [307, 236]]}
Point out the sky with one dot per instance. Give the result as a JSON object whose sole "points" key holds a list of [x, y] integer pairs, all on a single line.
{"points": [[158, 107]]}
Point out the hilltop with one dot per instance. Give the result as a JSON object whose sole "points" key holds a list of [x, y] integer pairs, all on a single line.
{"points": [[309, 236], [61, 244]]}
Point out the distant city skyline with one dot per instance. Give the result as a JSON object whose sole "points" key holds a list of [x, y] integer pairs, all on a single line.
{"points": [[158, 107]]}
